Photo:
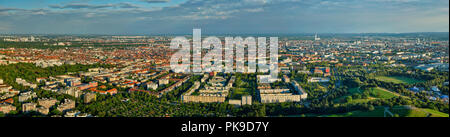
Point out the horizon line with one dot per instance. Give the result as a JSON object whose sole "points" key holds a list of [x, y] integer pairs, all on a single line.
{"points": [[159, 34]]}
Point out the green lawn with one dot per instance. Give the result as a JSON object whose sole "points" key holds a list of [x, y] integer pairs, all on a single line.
{"points": [[378, 112], [342, 98], [435, 113], [355, 101], [381, 93], [398, 79], [401, 111], [417, 112], [237, 93], [353, 90], [375, 93]]}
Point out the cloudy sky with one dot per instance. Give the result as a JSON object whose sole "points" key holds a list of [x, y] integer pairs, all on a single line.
{"points": [[130, 17]]}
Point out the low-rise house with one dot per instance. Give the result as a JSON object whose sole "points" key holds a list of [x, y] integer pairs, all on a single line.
{"points": [[42, 79], [72, 113], [9, 101], [435, 89], [84, 115], [415, 89], [318, 79]]}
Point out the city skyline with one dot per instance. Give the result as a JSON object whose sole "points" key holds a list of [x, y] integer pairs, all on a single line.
{"points": [[136, 17]]}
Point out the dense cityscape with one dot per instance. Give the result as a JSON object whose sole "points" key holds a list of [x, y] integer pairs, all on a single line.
{"points": [[320, 75], [224, 67]]}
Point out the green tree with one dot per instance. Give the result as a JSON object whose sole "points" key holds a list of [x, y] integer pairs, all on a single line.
{"points": [[55, 112], [348, 99]]}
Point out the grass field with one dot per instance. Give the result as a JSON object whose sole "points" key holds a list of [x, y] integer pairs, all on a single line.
{"points": [[381, 93], [401, 111], [435, 113], [375, 93], [237, 93], [417, 112], [353, 90], [378, 112], [398, 79]]}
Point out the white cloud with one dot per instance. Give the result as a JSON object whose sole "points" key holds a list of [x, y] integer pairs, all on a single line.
{"points": [[250, 15], [156, 1]]}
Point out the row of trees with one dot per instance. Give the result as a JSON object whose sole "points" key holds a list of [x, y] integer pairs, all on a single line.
{"points": [[30, 72], [42, 45]]}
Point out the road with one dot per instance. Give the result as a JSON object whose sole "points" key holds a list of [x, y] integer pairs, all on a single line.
{"points": [[386, 110]]}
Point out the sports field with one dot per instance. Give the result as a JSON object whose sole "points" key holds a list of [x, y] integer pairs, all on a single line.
{"points": [[398, 79]]}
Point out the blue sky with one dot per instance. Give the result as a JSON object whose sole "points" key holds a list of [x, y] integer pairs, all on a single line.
{"points": [[131, 17]]}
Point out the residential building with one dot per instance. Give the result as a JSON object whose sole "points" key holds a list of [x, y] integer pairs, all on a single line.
{"points": [[42, 110], [47, 102], [26, 96], [89, 97], [67, 105], [27, 107], [6, 108]]}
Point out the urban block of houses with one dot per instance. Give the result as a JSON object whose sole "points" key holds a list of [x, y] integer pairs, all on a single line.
{"points": [[43, 110], [26, 96], [89, 97], [318, 79], [67, 105], [6, 96], [6, 108], [27, 107], [88, 85], [245, 100], [48, 63], [282, 95], [25, 83], [73, 91], [110, 91], [163, 81], [47, 102], [6, 88], [74, 113], [151, 85], [9, 100], [215, 90]]}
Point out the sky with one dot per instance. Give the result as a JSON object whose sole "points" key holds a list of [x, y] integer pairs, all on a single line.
{"points": [[133, 17]]}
